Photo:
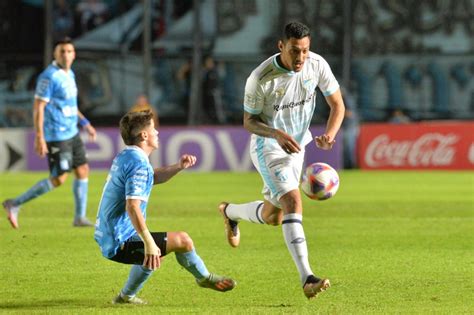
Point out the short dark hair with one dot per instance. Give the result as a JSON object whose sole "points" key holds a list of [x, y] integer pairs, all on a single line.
{"points": [[295, 30], [132, 124], [63, 41]]}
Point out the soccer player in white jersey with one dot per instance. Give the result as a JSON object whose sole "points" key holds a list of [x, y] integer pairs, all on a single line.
{"points": [[56, 119], [278, 107], [121, 231]]}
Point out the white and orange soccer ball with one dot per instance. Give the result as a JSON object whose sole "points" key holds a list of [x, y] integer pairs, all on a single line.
{"points": [[320, 181]]}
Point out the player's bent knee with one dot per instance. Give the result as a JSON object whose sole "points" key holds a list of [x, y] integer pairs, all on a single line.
{"points": [[185, 241], [82, 171], [274, 221], [58, 181]]}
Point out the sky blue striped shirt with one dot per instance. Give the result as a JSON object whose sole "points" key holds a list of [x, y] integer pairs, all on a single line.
{"points": [[130, 177], [58, 89]]}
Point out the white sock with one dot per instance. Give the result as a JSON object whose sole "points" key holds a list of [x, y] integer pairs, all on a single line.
{"points": [[251, 211], [293, 232]]}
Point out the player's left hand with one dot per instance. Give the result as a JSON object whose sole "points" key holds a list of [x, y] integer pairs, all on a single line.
{"points": [[152, 259], [91, 131], [187, 161], [324, 142]]}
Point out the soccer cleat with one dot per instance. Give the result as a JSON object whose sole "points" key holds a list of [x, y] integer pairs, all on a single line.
{"points": [[231, 227], [313, 286], [12, 212], [216, 282], [119, 299], [82, 222]]}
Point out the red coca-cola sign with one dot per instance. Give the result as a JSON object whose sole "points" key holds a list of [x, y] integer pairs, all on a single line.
{"points": [[417, 146]]}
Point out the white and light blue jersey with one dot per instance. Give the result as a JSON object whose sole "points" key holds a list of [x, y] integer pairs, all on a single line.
{"points": [[58, 89], [286, 100], [130, 177]]}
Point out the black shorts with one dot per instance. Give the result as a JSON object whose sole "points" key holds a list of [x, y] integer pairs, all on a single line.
{"points": [[132, 251], [66, 155]]}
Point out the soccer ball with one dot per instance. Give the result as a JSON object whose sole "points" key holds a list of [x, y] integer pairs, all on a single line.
{"points": [[320, 181]]}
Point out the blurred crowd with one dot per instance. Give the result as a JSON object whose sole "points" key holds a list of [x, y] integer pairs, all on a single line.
{"points": [[73, 20]]}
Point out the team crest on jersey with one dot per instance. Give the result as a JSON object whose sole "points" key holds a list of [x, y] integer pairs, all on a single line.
{"points": [[279, 92]]}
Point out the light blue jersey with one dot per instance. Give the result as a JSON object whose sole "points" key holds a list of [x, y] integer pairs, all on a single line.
{"points": [[58, 89], [130, 177]]}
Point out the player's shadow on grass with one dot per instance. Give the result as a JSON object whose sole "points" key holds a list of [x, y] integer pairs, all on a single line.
{"points": [[70, 304], [280, 305]]}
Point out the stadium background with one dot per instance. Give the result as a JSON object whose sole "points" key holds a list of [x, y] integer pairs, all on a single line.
{"points": [[413, 57], [390, 242]]}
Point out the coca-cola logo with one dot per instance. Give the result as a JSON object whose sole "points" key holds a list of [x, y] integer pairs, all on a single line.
{"points": [[430, 149]]}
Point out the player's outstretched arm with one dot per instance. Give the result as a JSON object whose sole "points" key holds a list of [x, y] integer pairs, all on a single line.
{"points": [[336, 115], [152, 252], [163, 174]]}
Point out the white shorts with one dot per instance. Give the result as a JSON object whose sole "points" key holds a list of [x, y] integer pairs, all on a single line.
{"points": [[280, 171]]}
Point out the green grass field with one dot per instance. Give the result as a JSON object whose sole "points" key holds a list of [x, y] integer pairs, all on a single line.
{"points": [[391, 242]]}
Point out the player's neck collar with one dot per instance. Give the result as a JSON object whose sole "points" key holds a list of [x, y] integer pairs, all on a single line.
{"points": [[278, 64], [137, 148], [54, 63]]}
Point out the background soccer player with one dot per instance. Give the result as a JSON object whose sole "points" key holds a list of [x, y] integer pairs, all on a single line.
{"points": [[121, 231], [280, 98], [56, 118]]}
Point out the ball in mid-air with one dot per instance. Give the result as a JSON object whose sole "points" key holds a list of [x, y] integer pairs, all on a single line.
{"points": [[320, 181]]}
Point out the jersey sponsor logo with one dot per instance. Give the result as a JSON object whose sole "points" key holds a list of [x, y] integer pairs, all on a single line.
{"points": [[291, 105], [69, 111], [70, 89]]}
